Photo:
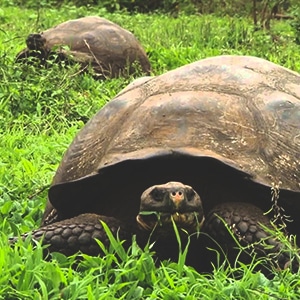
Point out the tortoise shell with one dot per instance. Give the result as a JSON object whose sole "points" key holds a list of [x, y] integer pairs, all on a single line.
{"points": [[110, 49], [229, 126]]}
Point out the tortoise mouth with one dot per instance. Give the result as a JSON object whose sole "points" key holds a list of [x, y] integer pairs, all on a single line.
{"points": [[152, 220]]}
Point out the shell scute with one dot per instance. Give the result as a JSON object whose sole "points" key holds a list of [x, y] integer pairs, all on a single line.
{"points": [[228, 126]]}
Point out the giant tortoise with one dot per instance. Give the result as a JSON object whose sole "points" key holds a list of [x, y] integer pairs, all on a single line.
{"points": [[204, 147], [108, 48]]}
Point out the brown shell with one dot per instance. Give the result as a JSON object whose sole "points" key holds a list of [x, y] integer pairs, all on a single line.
{"points": [[229, 126], [109, 48]]}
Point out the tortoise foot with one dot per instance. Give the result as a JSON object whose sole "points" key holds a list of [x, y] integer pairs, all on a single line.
{"points": [[35, 41], [78, 234], [228, 223]]}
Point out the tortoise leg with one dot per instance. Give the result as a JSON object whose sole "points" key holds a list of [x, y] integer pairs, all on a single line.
{"points": [[246, 223], [79, 233]]}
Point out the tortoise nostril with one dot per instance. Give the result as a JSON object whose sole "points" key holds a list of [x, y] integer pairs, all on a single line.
{"points": [[177, 193]]}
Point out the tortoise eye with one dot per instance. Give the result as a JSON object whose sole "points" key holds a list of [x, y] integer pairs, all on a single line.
{"points": [[157, 195], [190, 194]]}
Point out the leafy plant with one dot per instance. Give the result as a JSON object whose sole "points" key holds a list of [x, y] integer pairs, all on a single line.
{"points": [[295, 23]]}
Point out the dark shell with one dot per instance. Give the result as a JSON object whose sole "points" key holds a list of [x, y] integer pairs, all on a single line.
{"points": [[110, 49], [229, 126]]}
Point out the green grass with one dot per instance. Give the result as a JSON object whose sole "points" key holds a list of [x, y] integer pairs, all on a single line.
{"points": [[42, 110]]}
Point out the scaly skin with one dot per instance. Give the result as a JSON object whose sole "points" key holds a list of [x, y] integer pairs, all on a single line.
{"points": [[248, 225], [78, 234]]}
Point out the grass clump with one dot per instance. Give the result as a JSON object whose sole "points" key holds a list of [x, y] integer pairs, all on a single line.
{"points": [[130, 274]]}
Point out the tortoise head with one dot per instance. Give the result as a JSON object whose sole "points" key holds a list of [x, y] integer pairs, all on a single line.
{"points": [[35, 41], [161, 205]]}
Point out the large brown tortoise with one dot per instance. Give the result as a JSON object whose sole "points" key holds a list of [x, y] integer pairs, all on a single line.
{"points": [[110, 49], [208, 144]]}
